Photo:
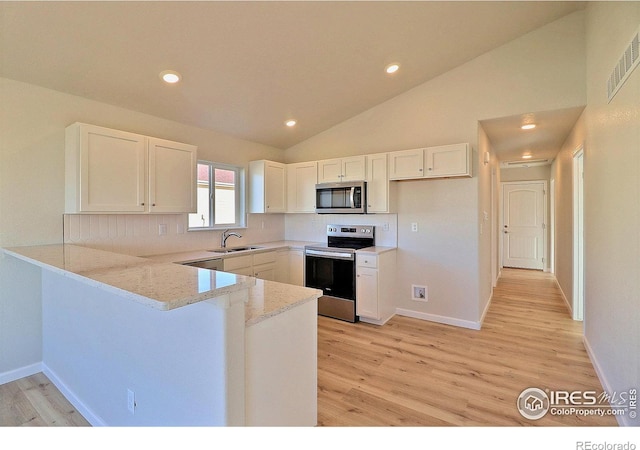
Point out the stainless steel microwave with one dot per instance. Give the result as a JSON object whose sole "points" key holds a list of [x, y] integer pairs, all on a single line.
{"points": [[341, 198]]}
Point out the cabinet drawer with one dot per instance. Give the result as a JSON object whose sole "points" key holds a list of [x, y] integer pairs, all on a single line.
{"points": [[367, 261], [264, 258], [237, 262]]}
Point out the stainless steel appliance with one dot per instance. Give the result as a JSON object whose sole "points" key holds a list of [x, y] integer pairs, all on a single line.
{"points": [[333, 269], [341, 198]]}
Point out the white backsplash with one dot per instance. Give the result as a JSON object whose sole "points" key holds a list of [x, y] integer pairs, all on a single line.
{"points": [[139, 234], [313, 227]]}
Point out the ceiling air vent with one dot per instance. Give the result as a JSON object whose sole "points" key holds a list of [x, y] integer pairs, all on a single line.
{"points": [[627, 62], [527, 163]]}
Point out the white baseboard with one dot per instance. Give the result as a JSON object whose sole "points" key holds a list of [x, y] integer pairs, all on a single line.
{"points": [[376, 322], [623, 420], [89, 415], [564, 297], [486, 308], [439, 319], [27, 371]]}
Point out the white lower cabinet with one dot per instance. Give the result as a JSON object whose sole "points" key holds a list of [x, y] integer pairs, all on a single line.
{"points": [[240, 265], [375, 286], [283, 266], [296, 267]]}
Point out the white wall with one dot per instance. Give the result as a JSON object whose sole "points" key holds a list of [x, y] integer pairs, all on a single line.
{"points": [[612, 201], [32, 124], [540, 71], [562, 173]]}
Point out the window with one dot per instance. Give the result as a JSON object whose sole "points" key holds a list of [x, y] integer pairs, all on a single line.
{"points": [[220, 197]]}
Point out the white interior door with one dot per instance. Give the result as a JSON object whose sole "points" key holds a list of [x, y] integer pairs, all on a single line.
{"points": [[523, 225]]}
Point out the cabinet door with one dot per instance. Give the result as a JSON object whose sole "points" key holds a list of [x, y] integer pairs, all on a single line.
{"points": [[172, 177], [448, 161], [367, 293], [377, 183], [112, 169], [275, 187], [296, 267], [354, 168], [406, 164], [301, 187], [265, 272], [282, 266], [330, 171]]}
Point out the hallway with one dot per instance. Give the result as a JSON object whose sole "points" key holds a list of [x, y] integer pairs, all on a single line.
{"points": [[415, 373]]}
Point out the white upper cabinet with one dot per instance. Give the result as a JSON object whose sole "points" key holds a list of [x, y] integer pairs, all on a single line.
{"points": [[301, 187], [172, 176], [448, 161], [431, 162], [379, 190], [342, 169], [267, 187], [406, 164], [112, 171]]}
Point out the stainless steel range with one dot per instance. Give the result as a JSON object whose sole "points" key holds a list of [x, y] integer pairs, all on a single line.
{"points": [[333, 269]]}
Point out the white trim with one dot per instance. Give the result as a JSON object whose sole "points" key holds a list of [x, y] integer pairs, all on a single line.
{"points": [[16, 374], [376, 322], [623, 420], [578, 261], [89, 415], [486, 308], [439, 319], [564, 297], [545, 219]]}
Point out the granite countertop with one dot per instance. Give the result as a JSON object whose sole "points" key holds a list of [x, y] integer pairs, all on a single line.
{"points": [[201, 255], [269, 298], [163, 285], [159, 285], [376, 250]]}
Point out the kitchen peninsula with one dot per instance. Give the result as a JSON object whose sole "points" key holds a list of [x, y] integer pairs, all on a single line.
{"points": [[136, 342]]}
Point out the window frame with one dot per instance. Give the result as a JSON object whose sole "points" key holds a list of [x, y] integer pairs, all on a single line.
{"points": [[239, 197]]}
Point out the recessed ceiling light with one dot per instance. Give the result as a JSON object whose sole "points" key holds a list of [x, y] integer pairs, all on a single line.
{"points": [[290, 123], [528, 126], [392, 68], [170, 76], [526, 156]]}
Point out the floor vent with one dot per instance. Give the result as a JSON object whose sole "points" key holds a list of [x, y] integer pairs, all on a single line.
{"points": [[627, 62]]}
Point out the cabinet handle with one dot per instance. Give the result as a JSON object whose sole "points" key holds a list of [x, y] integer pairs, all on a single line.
{"points": [[430, 168], [153, 204], [142, 204], [419, 170]]}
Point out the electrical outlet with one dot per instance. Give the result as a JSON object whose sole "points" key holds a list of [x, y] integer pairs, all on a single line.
{"points": [[419, 293], [414, 227], [131, 401], [385, 227], [162, 229]]}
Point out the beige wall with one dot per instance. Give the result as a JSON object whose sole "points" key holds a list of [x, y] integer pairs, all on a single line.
{"points": [[526, 173], [541, 71], [562, 174], [32, 124], [612, 200]]}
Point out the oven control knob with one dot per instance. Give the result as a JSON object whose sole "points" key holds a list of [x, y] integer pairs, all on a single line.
{"points": [[362, 230]]}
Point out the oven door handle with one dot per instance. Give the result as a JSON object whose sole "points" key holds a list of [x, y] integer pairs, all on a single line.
{"points": [[330, 255]]}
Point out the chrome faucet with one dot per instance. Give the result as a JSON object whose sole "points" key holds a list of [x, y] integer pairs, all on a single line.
{"points": [[225, 236]]}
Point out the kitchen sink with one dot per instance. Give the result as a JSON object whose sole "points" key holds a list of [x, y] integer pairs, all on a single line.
{"points": [[233, 249]]}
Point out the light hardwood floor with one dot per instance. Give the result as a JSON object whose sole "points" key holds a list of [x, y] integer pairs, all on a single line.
{"points": [[415, 373]]}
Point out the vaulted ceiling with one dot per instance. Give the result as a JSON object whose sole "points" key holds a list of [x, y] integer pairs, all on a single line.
{"points": [[248, 66]]}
